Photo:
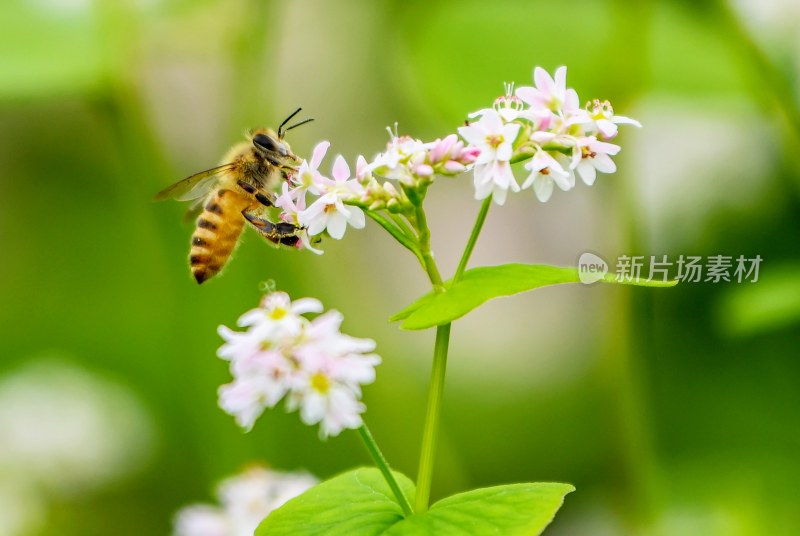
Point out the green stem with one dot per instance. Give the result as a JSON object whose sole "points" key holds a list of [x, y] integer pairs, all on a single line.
{"points": [[383, 465], [406, 241], [402, 223], [436, 389], [425, 250], [473, 237], [431, 431]]}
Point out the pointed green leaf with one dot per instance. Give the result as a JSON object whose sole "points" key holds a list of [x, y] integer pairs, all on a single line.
{"points": [[405, 313], [511, 510], [358, 502], [482, 284]]}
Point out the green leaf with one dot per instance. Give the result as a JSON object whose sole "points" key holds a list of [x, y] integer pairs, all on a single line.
{"points": [[360, 503], [405, 313], [482, 284], [510, 510]]}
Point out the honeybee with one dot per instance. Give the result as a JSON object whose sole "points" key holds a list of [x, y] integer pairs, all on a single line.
{"points": [[237, 191]]}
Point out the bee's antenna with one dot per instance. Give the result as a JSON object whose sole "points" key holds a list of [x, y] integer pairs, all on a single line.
{"points": [[280, 132], [297, 125]]}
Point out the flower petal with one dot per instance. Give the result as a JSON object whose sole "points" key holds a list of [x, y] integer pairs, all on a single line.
{"points": [[561, 83], [306, 305], [511, 131], [562, 179], [528, 95], [607, 128], [544, 82], [587, 172], [319, 153], [500, 195], [337, 224], [604, 164], [306, 242], [473, 135], [571, 100], [504, 152], [357, 218], [622, 120], [341, 171], [604, 148], [543, 188]]}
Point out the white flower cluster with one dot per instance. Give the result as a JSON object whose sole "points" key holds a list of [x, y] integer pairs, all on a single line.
{"points": [[245, 500], [546, 126], [406, 160], [327, 212], [542, 125], [409, 160], [318, 369]]}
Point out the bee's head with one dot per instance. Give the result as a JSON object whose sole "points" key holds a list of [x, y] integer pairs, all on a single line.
{"points": [[271, 144], [264, 142]]}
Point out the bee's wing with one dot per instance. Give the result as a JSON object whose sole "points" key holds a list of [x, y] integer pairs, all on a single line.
{"points": [[193, 187], [194, 210]]}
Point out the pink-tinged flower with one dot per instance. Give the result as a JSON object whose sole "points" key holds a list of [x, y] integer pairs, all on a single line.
{"points": [[595, 156], [279, 310], [328, 212], [247, 397], [419, 166], [311, 364], [238, 344], [307, 176], [467, 155], [605, 122], [333, 366], [494, 178], [547, 171], [441, 149], [291, 201], [494, 139], [327, 387], [321, 400], [394, 162], [291, 204], [363, 169], [550, 93], [449, 156], [493, 175], [245, 500], [323, 335], [452, 167], [306, 242]]}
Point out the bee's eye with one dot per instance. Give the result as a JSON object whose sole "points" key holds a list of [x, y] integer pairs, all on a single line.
{"points": [[262, 141]]}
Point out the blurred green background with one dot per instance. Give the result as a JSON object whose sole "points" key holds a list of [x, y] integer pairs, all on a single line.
{"points": [[672, 411]]}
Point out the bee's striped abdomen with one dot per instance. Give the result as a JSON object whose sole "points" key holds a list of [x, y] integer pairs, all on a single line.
{"points": [[217, 232]]}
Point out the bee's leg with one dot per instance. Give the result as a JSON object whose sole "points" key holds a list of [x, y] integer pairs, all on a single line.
{"points": [[260, 196], [277, 233], [263, 226], [287, 171], [273, 160]]}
